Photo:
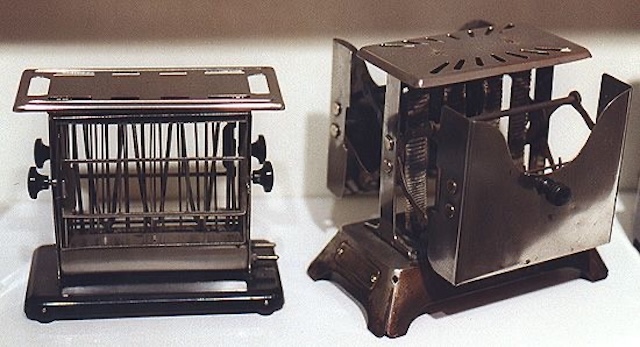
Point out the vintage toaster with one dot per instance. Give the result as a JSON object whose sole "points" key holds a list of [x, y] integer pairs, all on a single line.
{"points": [[462, 206], [150, 173]]}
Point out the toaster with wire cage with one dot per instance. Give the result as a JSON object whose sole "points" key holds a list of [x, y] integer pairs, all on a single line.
{"points": [[150, 173]]}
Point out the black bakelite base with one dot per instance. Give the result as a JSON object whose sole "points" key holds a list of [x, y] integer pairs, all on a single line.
{"points": [[136, 294], [394, 290]]}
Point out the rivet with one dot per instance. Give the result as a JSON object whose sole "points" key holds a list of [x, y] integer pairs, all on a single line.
{"points": [[388, 166], [452, 187], [449, 210], [336, 109], [335, 130], [389, 143]]}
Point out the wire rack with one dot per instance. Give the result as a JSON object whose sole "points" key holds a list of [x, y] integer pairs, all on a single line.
{"points": [[157, 182]]}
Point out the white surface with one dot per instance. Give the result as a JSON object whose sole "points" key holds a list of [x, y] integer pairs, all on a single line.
{"points": [[318, 313]]}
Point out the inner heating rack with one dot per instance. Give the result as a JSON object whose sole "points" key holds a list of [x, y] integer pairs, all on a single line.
{"points": [[464, 208], [150, 172]]}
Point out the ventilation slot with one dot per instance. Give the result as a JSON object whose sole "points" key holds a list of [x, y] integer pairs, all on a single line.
{"points": [[68, 97], [517, 55], [224, 72], [403, 44], [412, 42], [228, 96], [498, 58], [125, 74], [174, 97], [554, 49], [479, 61], [459, 64], [173, 73], [439, 68], [534, 51], [125, 98]]}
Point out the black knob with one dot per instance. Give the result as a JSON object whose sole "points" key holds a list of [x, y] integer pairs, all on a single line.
{"points": [[36, 182], [555, 192], [41, 153], [229, 146], [264, 176], [259, 149]]}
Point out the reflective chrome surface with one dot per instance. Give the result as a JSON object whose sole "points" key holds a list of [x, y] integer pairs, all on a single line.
{"points": [[471, 54], [502, 225], [232, 89]]}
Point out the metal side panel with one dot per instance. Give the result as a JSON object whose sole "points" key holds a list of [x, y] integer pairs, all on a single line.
{"points": [[340, 103], [444, 221], [506, 226]]}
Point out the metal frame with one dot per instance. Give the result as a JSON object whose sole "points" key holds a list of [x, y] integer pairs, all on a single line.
{"points": [[114, 204]]}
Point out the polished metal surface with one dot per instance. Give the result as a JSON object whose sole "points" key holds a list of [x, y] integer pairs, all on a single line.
{"points": [[471, 54], [463, 207], [175, 90], [500, 224], [387, 230], [150, 172], [356, 114], [340, 104]]}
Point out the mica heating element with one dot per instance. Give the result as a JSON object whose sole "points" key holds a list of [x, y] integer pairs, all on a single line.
{"points": [[151, 179]]}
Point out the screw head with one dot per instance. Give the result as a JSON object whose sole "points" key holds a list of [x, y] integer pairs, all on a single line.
{"points": [[373, 278]]}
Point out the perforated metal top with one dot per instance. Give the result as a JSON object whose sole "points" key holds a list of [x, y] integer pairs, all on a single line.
{"points": [[168, 90], [466, 55]]}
